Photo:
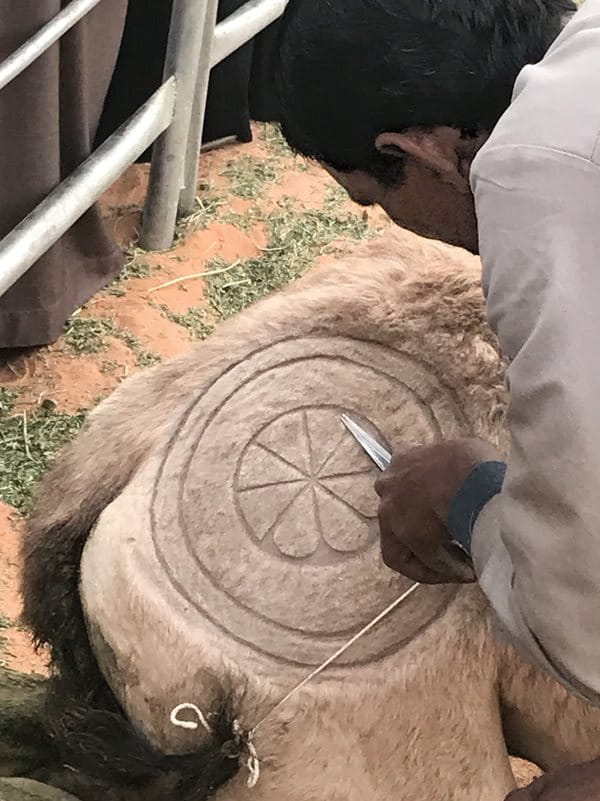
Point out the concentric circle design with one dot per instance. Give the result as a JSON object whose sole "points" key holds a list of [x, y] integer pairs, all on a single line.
{"points": [[264, 509]]}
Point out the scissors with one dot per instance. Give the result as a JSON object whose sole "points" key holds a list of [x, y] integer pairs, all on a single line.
{"points": [[376, 452]]}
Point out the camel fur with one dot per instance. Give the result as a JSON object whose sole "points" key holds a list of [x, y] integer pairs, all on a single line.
{"points": [[433, 718]]}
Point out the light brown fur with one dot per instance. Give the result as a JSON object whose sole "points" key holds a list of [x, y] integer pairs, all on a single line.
{"points": [[424, 722]]}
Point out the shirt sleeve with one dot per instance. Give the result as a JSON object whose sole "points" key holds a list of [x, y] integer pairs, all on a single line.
{"points": [[536, 543], [533, 525]]}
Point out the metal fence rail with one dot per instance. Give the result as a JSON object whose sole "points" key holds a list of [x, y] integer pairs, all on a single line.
{"points": [[186, 193], [53, 217], [233, 32], [173, 118], [43, 39], [243, 25]]}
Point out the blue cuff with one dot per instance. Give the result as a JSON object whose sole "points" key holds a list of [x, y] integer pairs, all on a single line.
{"points": [[480, 486]]}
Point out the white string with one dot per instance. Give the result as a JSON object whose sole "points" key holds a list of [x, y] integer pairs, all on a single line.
{"points": [[250, 758], [388, 610], [252, 762], [189, 724]]}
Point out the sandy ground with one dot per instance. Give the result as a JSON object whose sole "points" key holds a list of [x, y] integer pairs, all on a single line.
{"points": [[257, 203]]}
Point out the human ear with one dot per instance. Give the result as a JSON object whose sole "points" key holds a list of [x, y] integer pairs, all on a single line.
{"points": [[437, 149]]}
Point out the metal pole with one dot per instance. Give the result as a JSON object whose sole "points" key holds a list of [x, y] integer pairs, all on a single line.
{"points": [[218, 143], [24, 245], [243, 25], [43, 39], [187, 195], [166, 169], [218, 43]]}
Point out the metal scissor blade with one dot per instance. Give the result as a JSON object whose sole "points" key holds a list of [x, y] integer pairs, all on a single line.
{"points": [[376, 452]]}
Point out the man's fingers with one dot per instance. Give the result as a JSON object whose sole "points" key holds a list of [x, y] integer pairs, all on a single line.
{"points": [[447, 559], [416, 542], [461, 563], [401, 449], [409, 566], [400, 558], [382, 483]]}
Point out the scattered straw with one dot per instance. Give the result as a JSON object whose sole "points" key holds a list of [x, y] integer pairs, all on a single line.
{"points": [[206, 209], [28, 444], [26, 437], [194, 276], [250, 175]]}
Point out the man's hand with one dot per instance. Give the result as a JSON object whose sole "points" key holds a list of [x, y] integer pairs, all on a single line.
{"points": [[575, 783], [417, 492]]}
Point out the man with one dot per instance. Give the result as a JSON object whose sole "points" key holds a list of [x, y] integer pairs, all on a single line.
{"points": [[403, 102]]}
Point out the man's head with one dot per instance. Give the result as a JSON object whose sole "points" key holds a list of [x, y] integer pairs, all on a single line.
{"points": [[394, 97]]}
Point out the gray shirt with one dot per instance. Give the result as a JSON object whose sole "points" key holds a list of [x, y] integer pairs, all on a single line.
{"points": [[536, 545]]}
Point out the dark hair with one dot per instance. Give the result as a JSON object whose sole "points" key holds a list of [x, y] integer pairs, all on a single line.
{"points": [[348, 70]]}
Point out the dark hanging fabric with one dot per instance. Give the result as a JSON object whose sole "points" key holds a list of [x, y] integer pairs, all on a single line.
{"points": [[76, 94], [48, 119], [240, 88], [263, 96]]}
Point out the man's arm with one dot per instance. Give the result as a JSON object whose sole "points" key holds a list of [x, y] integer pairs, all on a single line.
{"points": [[536, 544]]}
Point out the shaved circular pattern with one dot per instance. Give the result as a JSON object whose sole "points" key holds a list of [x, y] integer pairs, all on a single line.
{"points": [[263, 495]]}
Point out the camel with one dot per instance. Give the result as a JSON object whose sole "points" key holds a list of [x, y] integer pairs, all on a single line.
{"points": [[210, 538]]}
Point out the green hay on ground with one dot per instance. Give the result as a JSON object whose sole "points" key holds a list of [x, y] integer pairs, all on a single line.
{"points": [[134, 267], [85, 335], [195, 320], [8, 398], [206, 209], [296, 238], [245, 221], [143, 357], [274, 139], [28, 444], [249, 176]]}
